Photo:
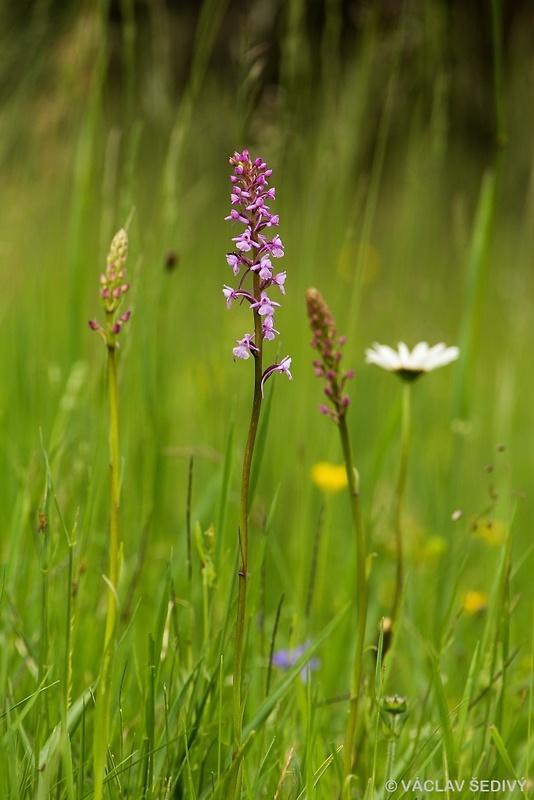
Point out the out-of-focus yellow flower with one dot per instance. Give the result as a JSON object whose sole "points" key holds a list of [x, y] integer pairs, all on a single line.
{"points": [[490, 531], [475, 602], [429, 551], [329, 477]]}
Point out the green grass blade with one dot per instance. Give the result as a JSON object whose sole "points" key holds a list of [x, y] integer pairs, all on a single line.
{"points": [[445, 717]]}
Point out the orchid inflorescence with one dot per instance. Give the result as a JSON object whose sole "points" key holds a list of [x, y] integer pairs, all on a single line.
{"points": [[112, 288], [253, 256], [328, 365]]}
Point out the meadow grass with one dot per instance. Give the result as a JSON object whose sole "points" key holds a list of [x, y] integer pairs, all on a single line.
{"points": [[409, 237]]}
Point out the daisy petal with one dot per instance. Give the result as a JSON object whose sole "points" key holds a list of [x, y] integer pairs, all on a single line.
{"points": [[409, 364]]}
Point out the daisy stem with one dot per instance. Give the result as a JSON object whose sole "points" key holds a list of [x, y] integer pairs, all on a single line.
{"points": [[361, 602], [102, 710], [238, 706], [401, 485]]}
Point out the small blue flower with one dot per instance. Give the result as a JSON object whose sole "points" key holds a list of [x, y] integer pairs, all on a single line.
{"points": [[284, 659]]}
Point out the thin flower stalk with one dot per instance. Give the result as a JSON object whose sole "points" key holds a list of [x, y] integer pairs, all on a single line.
{"points": [[401, 486], [112, 288], [252, 265], [328, 367], [409, 365], [361, 599]]}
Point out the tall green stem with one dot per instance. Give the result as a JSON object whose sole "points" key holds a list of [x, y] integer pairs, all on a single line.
{"points": [[102, 711], [114, 491], [243, 536], [361, 601], [401, 485]]}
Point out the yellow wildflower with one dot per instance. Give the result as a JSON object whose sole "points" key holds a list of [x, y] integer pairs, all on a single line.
{"points": [[475, 602], [491, 532], [329, 477]]}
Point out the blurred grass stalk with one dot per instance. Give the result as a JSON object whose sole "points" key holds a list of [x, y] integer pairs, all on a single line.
{"points": [[45, 656], [209, 23], [476, 277], [477, 262]]}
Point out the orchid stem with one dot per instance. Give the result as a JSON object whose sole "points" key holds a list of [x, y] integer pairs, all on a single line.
{"points": [[238, 707]]}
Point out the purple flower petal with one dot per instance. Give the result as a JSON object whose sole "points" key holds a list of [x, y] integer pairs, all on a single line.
{"points": [[265, 305]]}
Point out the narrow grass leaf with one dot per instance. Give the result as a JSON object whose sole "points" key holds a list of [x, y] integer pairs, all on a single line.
{"points": [[501, 749], [445, 717], [320, 771], [74, 717], [464, 705], [222, 788]]}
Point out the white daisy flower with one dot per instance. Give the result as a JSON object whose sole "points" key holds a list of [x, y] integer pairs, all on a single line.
{"points": [[409, 365]]}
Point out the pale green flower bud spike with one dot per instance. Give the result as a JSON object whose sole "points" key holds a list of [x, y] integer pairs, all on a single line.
{"points": [[113, 286]]}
